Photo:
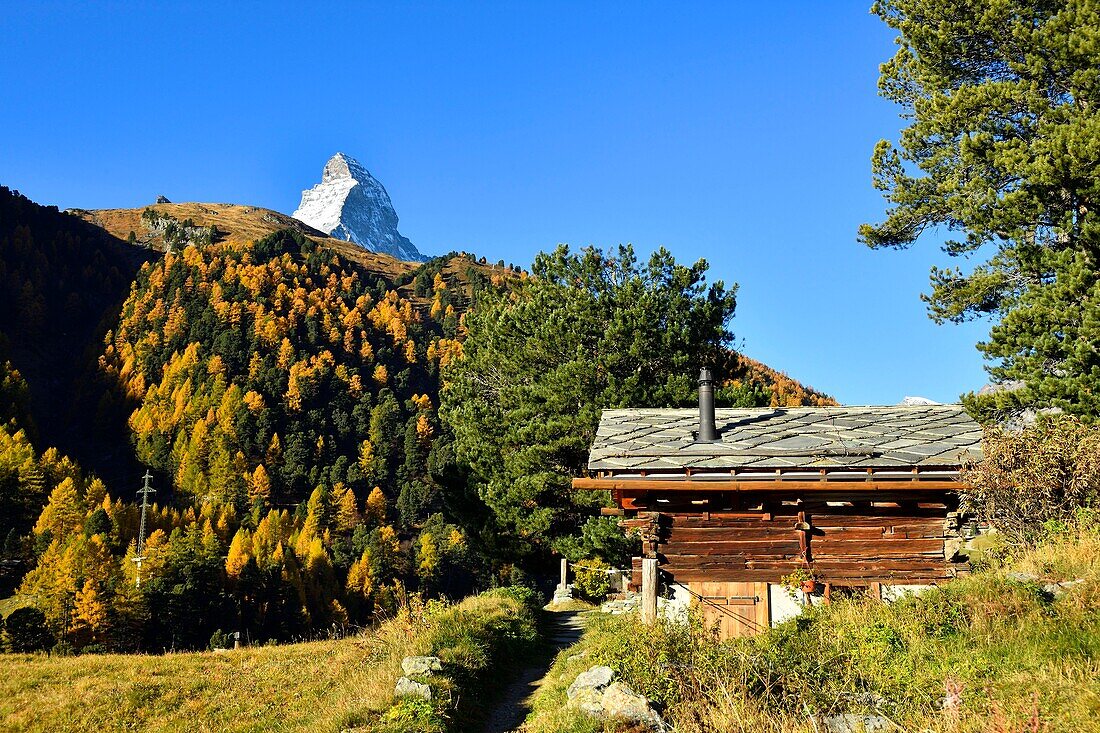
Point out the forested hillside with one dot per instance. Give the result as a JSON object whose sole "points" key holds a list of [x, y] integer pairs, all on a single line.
{"points": [[61, 284], [284, 391]]}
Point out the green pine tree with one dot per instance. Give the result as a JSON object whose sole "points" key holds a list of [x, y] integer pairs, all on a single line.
{"points": [[1003, 147], [590, 330]]}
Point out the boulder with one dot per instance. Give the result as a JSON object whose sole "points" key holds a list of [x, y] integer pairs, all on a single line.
{"points": [[1016, 577], [595, 678], [588, 700], [594, 693], [411, 688], [619, 701], [420, 666]]}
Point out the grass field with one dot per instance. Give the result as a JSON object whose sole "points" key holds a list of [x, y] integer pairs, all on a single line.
{"points": [[317, 686]]}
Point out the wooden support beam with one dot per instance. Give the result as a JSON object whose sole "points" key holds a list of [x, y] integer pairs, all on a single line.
{"points": [[649, 590], [791, 485]]}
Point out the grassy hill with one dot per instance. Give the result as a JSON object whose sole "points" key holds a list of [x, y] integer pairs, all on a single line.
{"points": [[339, 685]]}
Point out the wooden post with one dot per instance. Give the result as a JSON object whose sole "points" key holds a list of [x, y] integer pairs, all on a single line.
{"points": [[649, 590], [564, 572]]}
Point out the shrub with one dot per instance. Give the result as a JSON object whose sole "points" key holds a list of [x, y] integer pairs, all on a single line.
{"points": [[521, 594], [219, 640], [413, 715], [26, 631], [1036, 479], [592, 579]]}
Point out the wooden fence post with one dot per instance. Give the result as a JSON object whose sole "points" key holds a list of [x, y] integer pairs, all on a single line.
{"points": [[649, 590]]}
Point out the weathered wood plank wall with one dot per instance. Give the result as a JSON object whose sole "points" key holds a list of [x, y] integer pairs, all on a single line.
{"points": [[849, 538]]}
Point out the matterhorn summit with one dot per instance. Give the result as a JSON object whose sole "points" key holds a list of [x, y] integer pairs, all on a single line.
{"points": [[349, 203]]}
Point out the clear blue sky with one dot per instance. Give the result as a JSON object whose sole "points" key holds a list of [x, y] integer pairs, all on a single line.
{"points": [[738, 134]]}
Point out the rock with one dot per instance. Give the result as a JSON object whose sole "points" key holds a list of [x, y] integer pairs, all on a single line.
{"points": [[562, 594], [595, 694], [619, 701], [588, 700], [162, 199], [851, 723], [1056, 590], [618, 608], [417, 666], [406, 687], [1016, 577], [917, 401], [595, 678]]}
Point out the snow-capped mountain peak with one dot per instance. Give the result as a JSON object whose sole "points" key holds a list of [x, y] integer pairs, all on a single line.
{"points": [[349, 203]]}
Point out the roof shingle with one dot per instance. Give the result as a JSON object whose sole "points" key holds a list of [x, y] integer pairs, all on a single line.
{"points": [[782, 437]]}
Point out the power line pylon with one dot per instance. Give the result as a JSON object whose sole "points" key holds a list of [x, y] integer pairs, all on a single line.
{"points": [[144, 492]]}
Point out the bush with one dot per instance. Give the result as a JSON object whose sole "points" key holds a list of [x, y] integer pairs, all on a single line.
{"points": [[1031, 481], [219, 640], [592, 580], [521, 594], [413, 715], [26, 631]]}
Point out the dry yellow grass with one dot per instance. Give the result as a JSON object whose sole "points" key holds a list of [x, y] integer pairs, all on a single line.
{"points": [[320, 686], [314, 686]]}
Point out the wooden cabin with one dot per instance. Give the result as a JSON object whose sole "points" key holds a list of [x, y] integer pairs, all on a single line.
{"points": [[858, 499]]}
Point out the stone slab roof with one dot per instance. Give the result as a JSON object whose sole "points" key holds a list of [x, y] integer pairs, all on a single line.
{"points": [[787, 437]]}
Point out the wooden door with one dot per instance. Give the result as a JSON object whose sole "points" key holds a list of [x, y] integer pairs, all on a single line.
{"points": [[735, 609]]}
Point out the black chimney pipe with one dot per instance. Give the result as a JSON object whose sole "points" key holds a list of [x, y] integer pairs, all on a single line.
{"points": [[708, 431]]}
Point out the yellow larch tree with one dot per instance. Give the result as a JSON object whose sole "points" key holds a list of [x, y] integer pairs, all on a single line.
{"points": [[90, 619], [240, 550], [376, 506], [347, 511]]}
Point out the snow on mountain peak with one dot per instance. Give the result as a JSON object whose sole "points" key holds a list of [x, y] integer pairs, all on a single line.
{"points": [[351, 204]]}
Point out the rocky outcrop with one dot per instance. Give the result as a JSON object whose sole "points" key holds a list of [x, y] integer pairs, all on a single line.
{"points": [[351, 204]]}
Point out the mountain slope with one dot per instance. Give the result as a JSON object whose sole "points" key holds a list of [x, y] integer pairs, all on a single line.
{"points": [[239, 226], [235, 225], [351, 204], [784, 391], [62, 282]]}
